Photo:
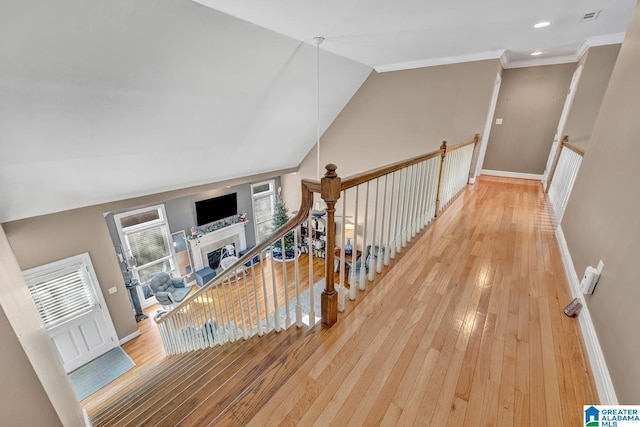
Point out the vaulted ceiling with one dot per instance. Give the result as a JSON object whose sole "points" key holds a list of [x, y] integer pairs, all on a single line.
{"points": [[103, 101]]}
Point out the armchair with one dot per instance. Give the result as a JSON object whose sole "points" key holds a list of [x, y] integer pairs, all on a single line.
{"points": [[168, 291]]}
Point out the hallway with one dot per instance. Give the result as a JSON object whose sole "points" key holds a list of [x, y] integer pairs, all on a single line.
{"points": [[467, 329]]}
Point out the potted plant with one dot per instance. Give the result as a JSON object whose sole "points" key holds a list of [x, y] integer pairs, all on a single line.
{"points": [[280, 217]]}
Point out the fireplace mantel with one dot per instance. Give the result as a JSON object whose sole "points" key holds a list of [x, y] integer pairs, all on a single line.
{"points": [[209, 242]]}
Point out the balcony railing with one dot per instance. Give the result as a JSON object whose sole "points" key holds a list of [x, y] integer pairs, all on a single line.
{"points": [[564, 176], [387, 208]]}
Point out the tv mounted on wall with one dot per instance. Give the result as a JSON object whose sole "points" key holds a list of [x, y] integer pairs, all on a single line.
{"points": [[217, 208]]}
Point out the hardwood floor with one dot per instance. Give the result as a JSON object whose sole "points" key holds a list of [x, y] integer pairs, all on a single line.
{"points": [[465, 329]]}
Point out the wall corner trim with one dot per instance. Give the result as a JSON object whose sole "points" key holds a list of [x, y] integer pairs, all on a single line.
{"points": [[129, 337], [601, 375]]}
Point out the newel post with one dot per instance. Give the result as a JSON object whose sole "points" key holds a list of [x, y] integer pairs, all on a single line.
{"points": [[443, 148], [330, 193]]}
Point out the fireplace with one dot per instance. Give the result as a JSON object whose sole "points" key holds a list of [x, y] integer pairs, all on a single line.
{"points": [[215, 241], [214, 257]]}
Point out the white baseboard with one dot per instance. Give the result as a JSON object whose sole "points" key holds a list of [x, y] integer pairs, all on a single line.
{"points": [[87, 420], [601, 375], [507, 174], [129, 337]]}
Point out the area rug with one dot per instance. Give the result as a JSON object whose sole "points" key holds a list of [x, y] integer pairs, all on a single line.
{"points": [[91, 377]]}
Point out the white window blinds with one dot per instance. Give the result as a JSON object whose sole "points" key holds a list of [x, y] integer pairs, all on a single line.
{"points": [[62, 295]]}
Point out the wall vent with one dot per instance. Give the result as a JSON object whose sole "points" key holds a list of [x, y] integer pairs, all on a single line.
{"points": [[590, 16]]}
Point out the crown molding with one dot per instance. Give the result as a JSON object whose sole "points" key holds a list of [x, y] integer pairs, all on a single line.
{"points": [[503, 56], [446, 60]]}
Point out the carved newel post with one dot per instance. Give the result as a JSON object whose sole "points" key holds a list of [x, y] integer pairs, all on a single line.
{"points": [[330, 193]]}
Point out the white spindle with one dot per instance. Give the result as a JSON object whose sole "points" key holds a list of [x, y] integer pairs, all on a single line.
{"points": [[373, 265], [276, 307], [341, 286], [365, 242], [264, 292], [287, 311], [312, 311], [297, 283], [352, 270]]}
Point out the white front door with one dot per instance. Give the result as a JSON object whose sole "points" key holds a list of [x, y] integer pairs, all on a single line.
{"points": [[72, 308]]}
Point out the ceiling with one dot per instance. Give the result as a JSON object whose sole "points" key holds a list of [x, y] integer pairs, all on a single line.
{"points": [[104, 101], [391, 35]]}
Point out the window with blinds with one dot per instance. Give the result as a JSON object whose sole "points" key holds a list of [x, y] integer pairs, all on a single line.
{"points": [[145, 236], [62, 295], [263, 198]]}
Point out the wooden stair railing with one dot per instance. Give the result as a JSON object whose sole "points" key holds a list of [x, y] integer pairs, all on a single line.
{"points": [[271, 295], [563, 175], [399, 200]]}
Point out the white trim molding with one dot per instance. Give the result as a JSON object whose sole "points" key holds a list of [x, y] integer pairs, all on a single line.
{"points": [[130, 337], [446, 60], [508, 174], [505, 60], [601, 375]]}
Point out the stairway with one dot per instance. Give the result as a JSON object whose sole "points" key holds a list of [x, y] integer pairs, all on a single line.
{"points": [[222, 385]]}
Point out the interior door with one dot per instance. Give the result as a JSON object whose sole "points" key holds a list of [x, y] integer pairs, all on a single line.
{"points": [[72, 308]]}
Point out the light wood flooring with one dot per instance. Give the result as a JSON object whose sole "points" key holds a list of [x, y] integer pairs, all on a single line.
{"points": [[465, 329]]}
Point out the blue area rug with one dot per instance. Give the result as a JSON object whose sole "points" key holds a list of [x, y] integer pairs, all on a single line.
{"points": [[91, 377]]}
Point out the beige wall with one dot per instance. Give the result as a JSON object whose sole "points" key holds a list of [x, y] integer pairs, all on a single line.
{"points": [[40, 240], [24, 401], [401, 114], [597, 67], [529, 103], [35, 388], [602, 222]]}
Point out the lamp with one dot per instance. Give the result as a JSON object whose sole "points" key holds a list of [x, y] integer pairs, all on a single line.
{"points": [[349, 230]]}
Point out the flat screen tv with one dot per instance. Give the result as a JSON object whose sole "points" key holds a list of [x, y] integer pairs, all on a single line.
{"points": [[217, 208]]}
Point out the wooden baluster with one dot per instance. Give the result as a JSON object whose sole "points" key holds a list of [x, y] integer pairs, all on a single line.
{"points": [[330, 191], [443, 148]]}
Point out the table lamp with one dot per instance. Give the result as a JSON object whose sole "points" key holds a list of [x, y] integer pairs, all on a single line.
{"points": [[348, 234]]}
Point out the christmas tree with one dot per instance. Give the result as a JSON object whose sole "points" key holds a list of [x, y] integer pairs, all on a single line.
{"points": [[280, 217]]}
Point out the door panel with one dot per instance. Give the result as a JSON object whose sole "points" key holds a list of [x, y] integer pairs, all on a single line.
{"points": [[68, 297]]}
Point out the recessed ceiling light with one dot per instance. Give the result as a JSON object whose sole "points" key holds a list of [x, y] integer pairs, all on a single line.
{"points": [[542, 24], [536, 53]]}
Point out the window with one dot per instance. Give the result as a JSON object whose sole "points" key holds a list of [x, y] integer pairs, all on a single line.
{"points": [[263, 199], [61, 291], [145, 237]]}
